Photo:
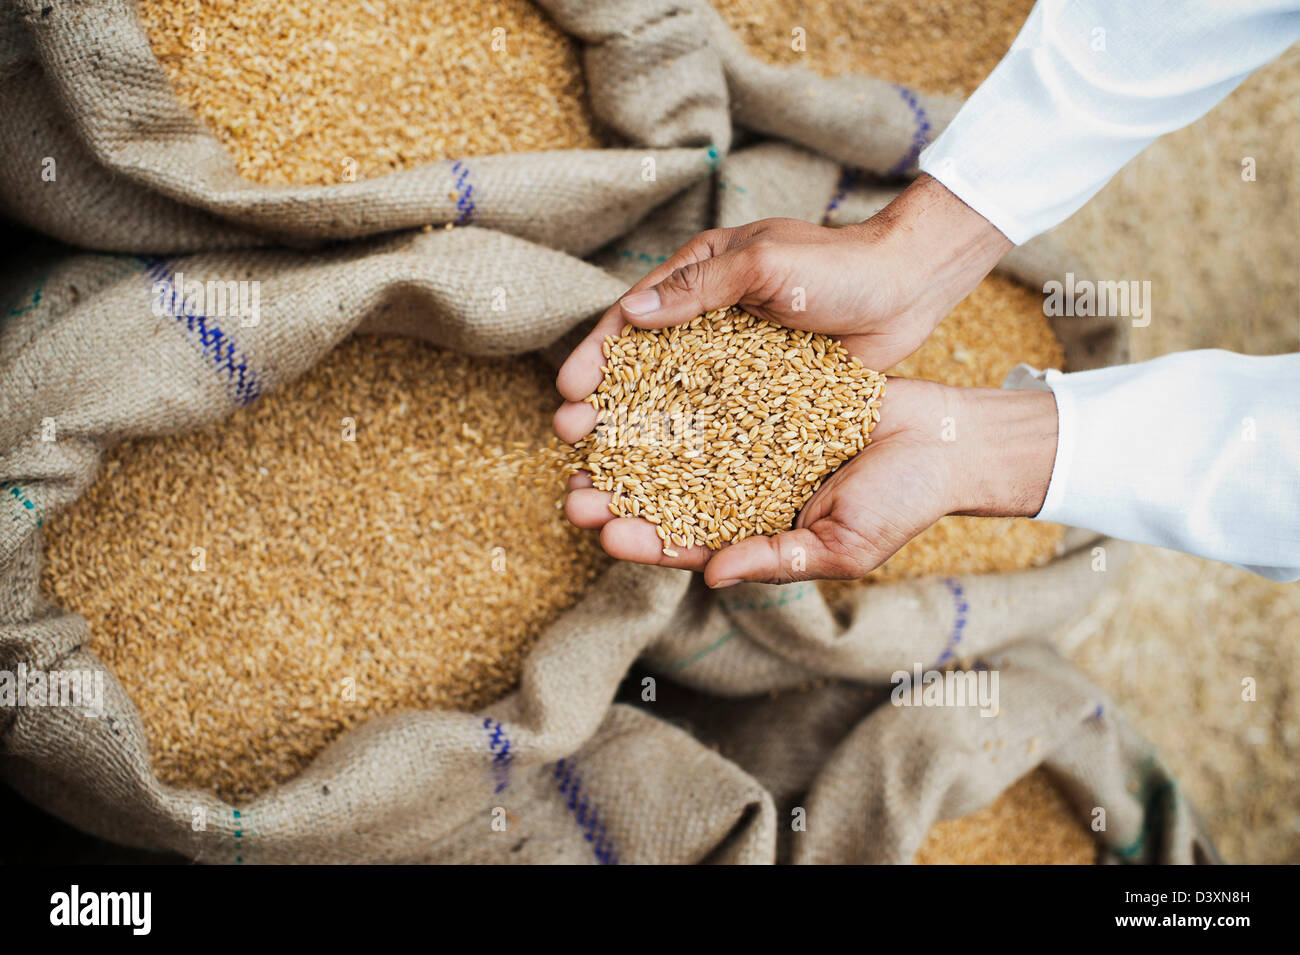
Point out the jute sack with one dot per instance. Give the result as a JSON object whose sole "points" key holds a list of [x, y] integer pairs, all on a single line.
{"points": [[84, 347], [858, 779], [136, 172]]}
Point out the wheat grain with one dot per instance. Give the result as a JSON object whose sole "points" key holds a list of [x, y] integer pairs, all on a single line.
{"points": [[305, 92], [723, 428], [410, 568]]}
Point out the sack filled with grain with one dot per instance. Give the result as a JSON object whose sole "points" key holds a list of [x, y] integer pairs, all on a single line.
{"points": [[1030, 823], [241, 135], [215, 697], [97, 352], [862, 774], [381, 533]]}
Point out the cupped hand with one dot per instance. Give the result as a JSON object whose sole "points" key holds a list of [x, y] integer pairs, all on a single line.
{"points": [[937, 450], [880, 288]]}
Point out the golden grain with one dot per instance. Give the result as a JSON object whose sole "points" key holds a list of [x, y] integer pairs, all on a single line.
{"points": [[1031, 823], [411, 568], [304, 92], [939, 46], [677, 440]]}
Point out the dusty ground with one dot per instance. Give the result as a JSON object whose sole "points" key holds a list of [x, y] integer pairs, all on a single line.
{"points": [[1173, 642]]}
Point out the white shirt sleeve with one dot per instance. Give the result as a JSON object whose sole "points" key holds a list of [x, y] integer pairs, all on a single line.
{"points": [[1085, 87], [1197, 451]]}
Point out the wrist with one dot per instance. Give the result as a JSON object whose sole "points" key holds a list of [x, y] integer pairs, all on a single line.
{"points": [[940, 249], [1002, 450]]}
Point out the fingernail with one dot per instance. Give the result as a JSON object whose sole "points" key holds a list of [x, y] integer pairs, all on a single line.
{"points": [[731, 582], [641, 303]]}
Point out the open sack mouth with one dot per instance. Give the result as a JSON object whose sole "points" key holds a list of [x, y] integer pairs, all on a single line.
{"points": [[381, 535]]}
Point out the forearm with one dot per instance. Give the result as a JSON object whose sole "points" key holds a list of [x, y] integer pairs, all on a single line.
{"points": [[1198, 452]]}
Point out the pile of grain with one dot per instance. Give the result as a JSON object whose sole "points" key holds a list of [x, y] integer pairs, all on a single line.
{"points": [[722, 428], [305, 92], [938, 46], [1029, 824], [410, 568]]}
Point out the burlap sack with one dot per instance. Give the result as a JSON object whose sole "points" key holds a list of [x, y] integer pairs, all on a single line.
{"points": [[856, 779], [137, 173], [575, 779]]}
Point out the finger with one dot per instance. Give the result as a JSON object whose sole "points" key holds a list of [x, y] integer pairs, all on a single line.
{"points": [[588, 508], [579, 479], [630, 538], [580, 373], [822, 501], [704, 245], [574, 421], [694, 288], [800, 554]]}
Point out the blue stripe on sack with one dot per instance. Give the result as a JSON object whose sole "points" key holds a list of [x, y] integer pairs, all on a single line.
{"points": [[20, 495], [920, 135], [464, 190], [207, 335], [699, 654], [1159, 796], [960, 607], [570, 784], [642, 257], [239, 834], [36, 300], [499, 745], [848, 179]]}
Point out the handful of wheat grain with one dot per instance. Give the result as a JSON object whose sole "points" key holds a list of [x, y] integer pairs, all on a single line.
{"points": [[722, 428]]}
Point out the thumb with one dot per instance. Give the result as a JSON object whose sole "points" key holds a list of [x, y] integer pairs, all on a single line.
{"points": [[691, 290], [800, 554]]}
